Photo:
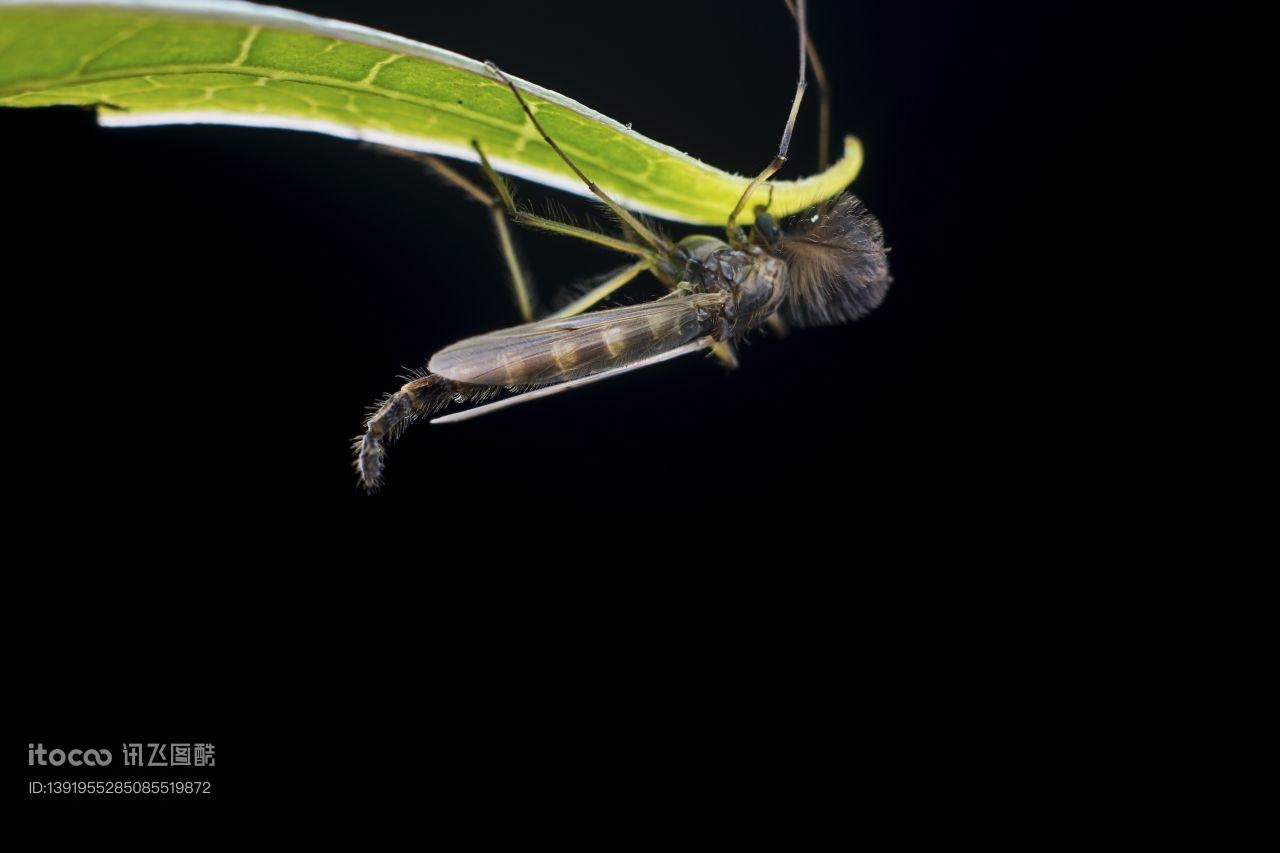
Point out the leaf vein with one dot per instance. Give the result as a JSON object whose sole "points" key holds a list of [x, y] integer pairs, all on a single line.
{"points": [[377, 69], [115, 41], [246, 46]]}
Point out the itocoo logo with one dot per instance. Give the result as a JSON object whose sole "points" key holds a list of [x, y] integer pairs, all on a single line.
{"points": [[93, 757]]}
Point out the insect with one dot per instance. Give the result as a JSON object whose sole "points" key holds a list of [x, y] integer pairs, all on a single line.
{"points": [[825, 266]]}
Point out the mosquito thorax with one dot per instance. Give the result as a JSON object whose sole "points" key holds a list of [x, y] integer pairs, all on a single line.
{"points": [[755, 280]]}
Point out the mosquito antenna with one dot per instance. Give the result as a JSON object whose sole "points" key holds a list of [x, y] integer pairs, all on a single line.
{"points": [[781, 157]]}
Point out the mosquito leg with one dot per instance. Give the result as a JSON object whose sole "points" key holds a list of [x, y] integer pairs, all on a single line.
{"points": [[496, 181], [543, 223], [603, 290], [660, 245], [735, 234], [521, 281], [500, 204], [824, 98]]}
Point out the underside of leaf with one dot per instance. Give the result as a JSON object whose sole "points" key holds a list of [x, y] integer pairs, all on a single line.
{"points": [[149, 62]]}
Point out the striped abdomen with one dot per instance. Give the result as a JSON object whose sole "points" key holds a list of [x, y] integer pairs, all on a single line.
{"points": [[556, 350]]}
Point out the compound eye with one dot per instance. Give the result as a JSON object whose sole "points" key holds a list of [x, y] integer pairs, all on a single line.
{"points": [[767, 227]]}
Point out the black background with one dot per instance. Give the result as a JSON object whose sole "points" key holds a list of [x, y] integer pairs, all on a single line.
{"points": [[213, 309], [197, 319]]}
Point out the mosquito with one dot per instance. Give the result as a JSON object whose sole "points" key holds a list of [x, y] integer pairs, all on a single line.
{"points": [[827, 265]]}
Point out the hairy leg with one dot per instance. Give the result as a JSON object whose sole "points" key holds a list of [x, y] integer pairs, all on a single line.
{"points": [[517, 270], [543, 223], [654, 240]]}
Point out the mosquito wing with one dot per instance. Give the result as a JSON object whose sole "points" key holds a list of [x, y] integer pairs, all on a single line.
{"points": [[558, 350], [541, 391]]}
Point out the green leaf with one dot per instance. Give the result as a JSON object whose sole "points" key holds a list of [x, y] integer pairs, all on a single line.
{"points": [[145, 62]]}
